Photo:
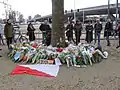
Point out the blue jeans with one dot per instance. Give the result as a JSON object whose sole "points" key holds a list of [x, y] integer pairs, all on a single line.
{"points": [[97, 36]]}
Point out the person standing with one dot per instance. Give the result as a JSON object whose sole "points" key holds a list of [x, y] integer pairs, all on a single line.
{"points": [[48, 38], [44, 28], [118, 29], [8, 32], [98, 29], [69, 32], [78, 29], [30, 32], [89, 33], [1, 34], [107, 32]]}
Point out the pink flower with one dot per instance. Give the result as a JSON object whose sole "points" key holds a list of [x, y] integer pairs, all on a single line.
{"points": [[59, 49], [78, 56]]}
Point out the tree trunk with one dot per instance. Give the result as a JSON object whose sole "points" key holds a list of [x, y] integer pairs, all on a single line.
{"points": [[58, 32]]}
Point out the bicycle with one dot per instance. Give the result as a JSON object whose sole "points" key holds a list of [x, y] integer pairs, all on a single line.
{"points": [[20, 37]]}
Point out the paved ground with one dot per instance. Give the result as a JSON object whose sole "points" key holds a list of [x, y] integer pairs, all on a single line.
{"points": [[102, 76]]}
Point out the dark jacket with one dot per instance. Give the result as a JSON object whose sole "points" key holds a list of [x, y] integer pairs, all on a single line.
{"points": [[78, 28], [48, 37], [98, 27], [89, 33], [31, 34], [44, 27], [108, 29], [69, 29], [108, 26], [30, 29], [119, 28], [8, 30]]}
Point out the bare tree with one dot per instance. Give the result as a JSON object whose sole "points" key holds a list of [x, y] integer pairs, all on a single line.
{"points": [[21, 19], [37, 16], [12, 16], [58, 35]]}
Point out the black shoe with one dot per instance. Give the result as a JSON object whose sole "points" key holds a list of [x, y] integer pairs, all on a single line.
{"points": [[0, 49], [117, 46], [0, 56]]}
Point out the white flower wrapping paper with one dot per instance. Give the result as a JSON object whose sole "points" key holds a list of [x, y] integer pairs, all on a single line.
{"points": [[70, 51]]}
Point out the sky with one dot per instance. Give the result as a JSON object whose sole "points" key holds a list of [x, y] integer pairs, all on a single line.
{"points": [[44, 7]]}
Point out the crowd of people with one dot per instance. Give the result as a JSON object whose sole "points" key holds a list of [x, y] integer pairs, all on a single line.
{"points": [[70, 29], [90, 28]]}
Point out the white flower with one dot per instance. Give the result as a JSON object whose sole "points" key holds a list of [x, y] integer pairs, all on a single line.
{"points": [[105, 53]]}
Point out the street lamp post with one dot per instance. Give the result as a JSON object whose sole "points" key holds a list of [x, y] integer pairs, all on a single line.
{"points": [[116, 11], [74, 12], [83, 17], [108, 8]]}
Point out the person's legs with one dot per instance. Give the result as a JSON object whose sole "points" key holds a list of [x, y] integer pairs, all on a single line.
{"points": [[108, 42], [79, 35], [95, 37], [119, 41], [98, 35], [89, 38], [43, 37], [3, 41], [79, 38], [48, 41], [33, 36], [73, 40], [76, 38], [10, 40], [7, 42], [68, 38], [0, 55], [0, 39], [119, 38]]}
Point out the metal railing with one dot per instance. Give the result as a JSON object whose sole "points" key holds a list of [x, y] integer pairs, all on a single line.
{"points": [[38, 36]]}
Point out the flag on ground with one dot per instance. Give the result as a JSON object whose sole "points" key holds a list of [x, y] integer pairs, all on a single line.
{"points": [[38, 69]]}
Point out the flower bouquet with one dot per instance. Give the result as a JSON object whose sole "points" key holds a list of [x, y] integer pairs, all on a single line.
{"points": [[31, 53]]}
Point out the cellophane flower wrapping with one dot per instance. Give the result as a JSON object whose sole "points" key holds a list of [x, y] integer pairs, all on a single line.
{"points": [[33, 52]]}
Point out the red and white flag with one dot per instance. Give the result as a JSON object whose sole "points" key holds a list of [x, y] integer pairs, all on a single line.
{"points": [[39, 70]]}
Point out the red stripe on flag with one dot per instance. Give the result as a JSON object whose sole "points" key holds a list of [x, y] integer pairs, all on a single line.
{"points": [[21, 70]]}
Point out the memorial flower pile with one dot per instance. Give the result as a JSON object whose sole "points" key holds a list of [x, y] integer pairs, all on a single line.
{"points": [[35, 53]]}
